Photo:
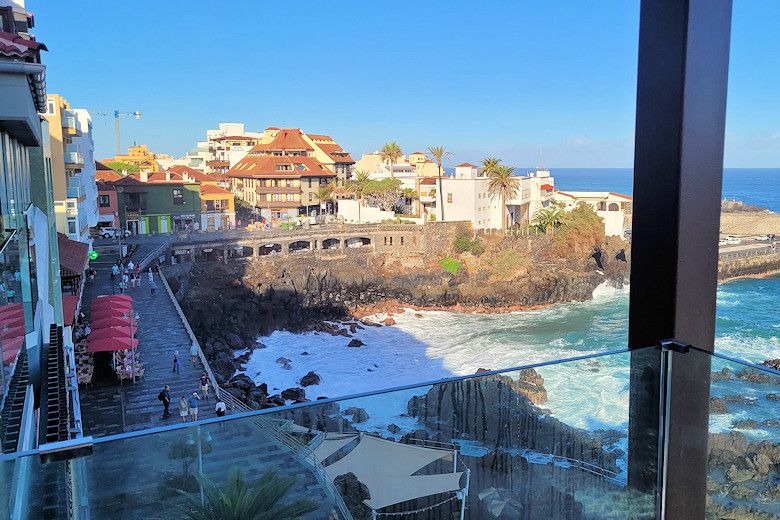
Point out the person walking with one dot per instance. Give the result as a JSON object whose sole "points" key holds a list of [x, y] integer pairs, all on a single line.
{"points": [[121, 287], [176, 362], [194, 354], [151, 275], [204, 386], [131, 266], [220, 408], [152, 287], [183, 408], [193, 404], [165, 397]]}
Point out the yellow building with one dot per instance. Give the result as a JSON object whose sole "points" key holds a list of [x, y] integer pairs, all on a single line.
{"points": [[218, 208], [139, 156]]}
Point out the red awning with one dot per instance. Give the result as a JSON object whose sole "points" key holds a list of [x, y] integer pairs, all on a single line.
{"points": [[73, 256], [109, 332], [70, 306], [111, 322], [11, 347], [11, 311], [103, 345], [547, 187], [113, 297], [108, 312], [12, 332]]}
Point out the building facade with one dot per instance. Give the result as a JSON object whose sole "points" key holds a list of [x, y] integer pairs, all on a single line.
{"points": [[138, 156], [157, 207]]}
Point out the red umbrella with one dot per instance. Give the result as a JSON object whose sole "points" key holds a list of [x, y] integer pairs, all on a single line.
{"points": [[13, 321], [109, 332], [108, 344], [111, 321], [108, 312], [13, 309], [11, 347], [114, 297], [12, 332]]}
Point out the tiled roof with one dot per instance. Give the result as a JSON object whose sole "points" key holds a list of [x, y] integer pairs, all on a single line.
{"points": [[265, 166], [106, 174], [416, 153], [73, 255], [622, 196], [191, 173], [466, 165], [104, 186], [161, 177], [547, 187], [333, 149], [128, 180], [210, 189], [100, 166], [272, 128], [287, 139], [316, 137], [428, 181], [16, 46]]}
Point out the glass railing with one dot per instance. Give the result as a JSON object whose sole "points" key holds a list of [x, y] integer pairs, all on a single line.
{"points": [[547, 441], [743, 479]]}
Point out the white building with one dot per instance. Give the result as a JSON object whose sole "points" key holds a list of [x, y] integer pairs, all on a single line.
{"points": [[85, 179], [615, 209]]}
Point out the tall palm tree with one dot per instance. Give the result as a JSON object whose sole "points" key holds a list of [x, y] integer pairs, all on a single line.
{"points": [[325, 194], [547, 219], [503, 183], [438, 153], [237, 501], [488, 165], [357, 186], [391, 153]]}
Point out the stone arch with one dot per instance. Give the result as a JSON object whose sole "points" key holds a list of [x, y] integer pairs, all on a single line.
{"points": [[266, 249], [300, 245], [358, 242], [331, 243], [614, 206]]}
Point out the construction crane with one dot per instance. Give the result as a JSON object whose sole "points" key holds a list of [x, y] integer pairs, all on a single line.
{"points": [[116, 115]]}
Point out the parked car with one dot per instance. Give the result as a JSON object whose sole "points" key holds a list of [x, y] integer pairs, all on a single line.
{"points": [[763, 238], [112, 232], [733, 240], [722, 242]]}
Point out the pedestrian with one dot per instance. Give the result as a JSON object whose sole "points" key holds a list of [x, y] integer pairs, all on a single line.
{"points": [[194, 354], [152, 287], [10, 294], [183, 409], [151, 275], [220, 408], [193, 404], [125, 279], [165, 397], [138, 272], [204, 386], [176, 362], [121, 287], [131, 266], [114, 270]]}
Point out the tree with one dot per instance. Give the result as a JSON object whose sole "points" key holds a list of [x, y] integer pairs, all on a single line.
{"points": [[503, 183], [122, 167], [489, 165], [409, 193], [185, 450], [391, 153], [384, 192], [550, 218], [325, 194], [438, 153], [237, 501], [357, 186]]}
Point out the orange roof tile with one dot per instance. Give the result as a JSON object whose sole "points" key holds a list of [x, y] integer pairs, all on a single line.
{"points": [[73, 255], [287, 139], [265, 166], [622, 196], [336, 153], [191, 173], [466, 165], [106, 175], [547, 187], [210, 189], [316, 137], [428, 181], [416, 153]]}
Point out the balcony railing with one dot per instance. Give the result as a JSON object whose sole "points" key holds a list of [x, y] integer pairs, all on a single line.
{"points": [[75, 192], [71, 125], [523, 441], [74, 160]]}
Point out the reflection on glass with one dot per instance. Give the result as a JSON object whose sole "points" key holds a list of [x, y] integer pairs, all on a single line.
{"points": [[518, 444], [12, 311], [744, 445]]}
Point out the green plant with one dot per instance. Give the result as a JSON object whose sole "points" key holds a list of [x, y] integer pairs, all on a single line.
{"points": [[432, 217], [391, 153], [438, 153], [463, 243], [185, 450], [450, 264], [237, 501], [550, 218], [581, 230], [508, 261], [122, 166], [504, 184]]}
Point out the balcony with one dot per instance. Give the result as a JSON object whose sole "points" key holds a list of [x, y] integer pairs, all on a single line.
{"points": [[74, 160], [71, 125], [75, 192]]}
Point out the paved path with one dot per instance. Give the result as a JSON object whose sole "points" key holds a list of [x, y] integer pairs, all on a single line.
{"points": [[109, 407]]}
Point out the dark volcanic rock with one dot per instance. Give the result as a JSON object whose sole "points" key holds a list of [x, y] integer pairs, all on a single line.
{"points": [[718, 406], [243, 382], [359, 415], [752, 376], [738, 399], [393, 428], [770, 422], [294, 394], [355, 343], [310, 379], [774, 364], [354, 493], [234, 341], [747, 424], [283, 360], [722, 375], [277, 400], [773, 397]]}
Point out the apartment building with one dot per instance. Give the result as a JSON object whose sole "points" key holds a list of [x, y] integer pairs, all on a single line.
{"points": [[281, 175], [416, 164], [73, 167], [138, 156], [615, 209], [230, 140]]}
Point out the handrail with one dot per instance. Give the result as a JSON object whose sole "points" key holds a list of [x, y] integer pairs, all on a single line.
{"points": [[156, 252]]}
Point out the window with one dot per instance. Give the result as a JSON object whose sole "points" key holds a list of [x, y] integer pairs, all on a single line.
{"points": [[323, 181], [290, 197], [178, 196], [277, 197], [105, 201], [288, 183], [283, 167], [614, 207], [449, 198], [311, 197], [72, 226], [602, 206]]}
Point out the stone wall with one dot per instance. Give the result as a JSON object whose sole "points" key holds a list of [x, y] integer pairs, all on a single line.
{"points": [[439, 236], [749, 266]]}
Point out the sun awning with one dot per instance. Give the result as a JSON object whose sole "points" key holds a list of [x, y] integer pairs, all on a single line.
{"points": [[112, 321], [73, 256], [108, 312], [333, 442], [386, 468], [11, 347], [107, 344], [109, 332], [70, 305]]}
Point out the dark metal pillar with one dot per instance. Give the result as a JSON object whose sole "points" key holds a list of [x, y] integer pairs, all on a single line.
{"points": [[678, 168]]}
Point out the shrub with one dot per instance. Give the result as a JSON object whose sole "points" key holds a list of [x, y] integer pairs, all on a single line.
{"points": [[581, 231], [450, 265], [463, 243], [508, 261]]}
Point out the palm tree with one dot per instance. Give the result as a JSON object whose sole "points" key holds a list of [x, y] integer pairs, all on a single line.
{"points": [[503, 183], [390, 153], [550, 218], [438, 153], [357, 186], [488, 165], [325, 194], [237, 501]]}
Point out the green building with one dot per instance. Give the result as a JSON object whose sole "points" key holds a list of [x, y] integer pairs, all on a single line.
{"points": [[157, 207]]}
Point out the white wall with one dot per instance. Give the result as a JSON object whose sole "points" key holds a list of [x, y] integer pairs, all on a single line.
{"points": [[87, 147], [350, 212]]}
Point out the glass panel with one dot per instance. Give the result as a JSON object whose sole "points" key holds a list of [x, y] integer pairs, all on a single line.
{"points": [[543, 442], [744, 444]]}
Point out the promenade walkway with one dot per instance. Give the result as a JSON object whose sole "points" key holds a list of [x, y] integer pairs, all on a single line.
{"points": [[109, 407]]}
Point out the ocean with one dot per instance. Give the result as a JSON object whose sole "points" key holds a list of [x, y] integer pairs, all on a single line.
{"points": [[431, 345]]}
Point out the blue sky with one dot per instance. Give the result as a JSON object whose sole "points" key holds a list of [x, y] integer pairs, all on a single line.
{"points": [[492, 78]]}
